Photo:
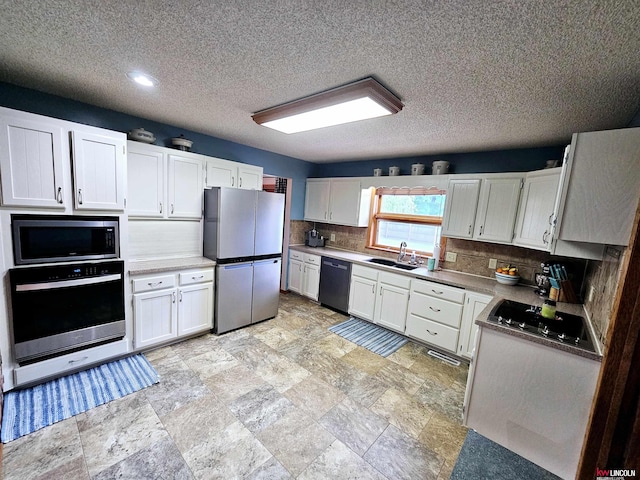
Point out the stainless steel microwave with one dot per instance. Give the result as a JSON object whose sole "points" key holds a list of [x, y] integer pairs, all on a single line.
{"points": [[57, 238]]}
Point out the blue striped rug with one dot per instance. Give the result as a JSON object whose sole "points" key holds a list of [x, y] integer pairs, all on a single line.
{"points": [[31, 409], [372, 337]]}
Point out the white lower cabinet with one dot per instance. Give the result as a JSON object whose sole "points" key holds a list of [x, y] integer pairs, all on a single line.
{"points": [[392, 300], [304, 274], [473, 305], [435, 313], [362, 292], [172, 305]]}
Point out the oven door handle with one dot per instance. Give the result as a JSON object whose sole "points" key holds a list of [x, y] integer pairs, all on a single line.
{"points": [[30, 287]]}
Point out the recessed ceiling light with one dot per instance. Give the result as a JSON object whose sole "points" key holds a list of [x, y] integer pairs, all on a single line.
{"points": [[349, 103], [142, 79]]}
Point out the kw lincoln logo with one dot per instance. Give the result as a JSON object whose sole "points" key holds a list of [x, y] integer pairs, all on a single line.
{"points": [[609, 474]]}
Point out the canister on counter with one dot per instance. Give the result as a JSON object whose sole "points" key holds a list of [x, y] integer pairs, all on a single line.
{"points": [[548, 309]]}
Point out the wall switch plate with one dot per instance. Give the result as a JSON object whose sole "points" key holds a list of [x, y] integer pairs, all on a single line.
{"points": [[493, 263], [332, 237], [451, 257]]}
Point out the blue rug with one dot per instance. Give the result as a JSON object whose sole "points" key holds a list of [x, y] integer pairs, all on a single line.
{"points": [[31, 409], [372, 337], [480, 458]]}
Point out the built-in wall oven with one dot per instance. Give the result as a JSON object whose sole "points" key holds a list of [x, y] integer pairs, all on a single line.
{"points": [[58, 309]]}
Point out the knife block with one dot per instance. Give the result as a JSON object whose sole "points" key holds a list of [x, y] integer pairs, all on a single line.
{"points": [[567, 293]]}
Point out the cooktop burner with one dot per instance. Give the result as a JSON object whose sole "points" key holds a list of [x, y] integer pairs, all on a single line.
{"points": [[564, 328]]}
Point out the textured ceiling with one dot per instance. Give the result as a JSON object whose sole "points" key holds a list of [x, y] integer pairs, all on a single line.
{"points": [[473, 75]]}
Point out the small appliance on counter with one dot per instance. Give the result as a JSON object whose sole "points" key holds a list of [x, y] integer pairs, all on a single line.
{"points": [[313, 239], [542, 280]]}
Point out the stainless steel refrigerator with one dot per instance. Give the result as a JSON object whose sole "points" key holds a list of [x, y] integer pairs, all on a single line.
{"points": [[243, 233]]}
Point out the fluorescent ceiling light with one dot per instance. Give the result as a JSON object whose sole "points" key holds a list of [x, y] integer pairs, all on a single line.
{"points": [[349, 103], [142, 79]]}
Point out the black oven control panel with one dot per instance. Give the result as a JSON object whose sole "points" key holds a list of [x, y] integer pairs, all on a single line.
{"points": [[71, 271]]}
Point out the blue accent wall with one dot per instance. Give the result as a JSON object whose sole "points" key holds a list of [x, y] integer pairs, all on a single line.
{"points": [[517, 160], [12, 96]]}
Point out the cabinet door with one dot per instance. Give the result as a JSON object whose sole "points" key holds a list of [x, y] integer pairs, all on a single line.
{"points": [[185, 187], [460, 208], [155, 317], [316, 203], [391, 307], [146, 182], [295, 275], [362, 297], [497, 209], [344, 202], [311, 282], [249, 177], [99, 169], [195, 308], [473, 305], [31, 156], [221, 173], [536, 212]]}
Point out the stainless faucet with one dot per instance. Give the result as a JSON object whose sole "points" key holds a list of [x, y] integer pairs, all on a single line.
{"points": [[403, 251]]}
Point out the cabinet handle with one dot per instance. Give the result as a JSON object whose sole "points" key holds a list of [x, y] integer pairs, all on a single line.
{"points": [[373, 289], [172, 208], [240, 182], [197, 278], [434, 309], [59, 195], [432, 333], [325, 215], [154, 284], [437, 293], [78, 360], [481, 229], [174, 297], [232, 180], [331, 216], [381, 291], [181, 295], [79, 196], [160, 207], [544, 237], [469, 229], [551, 219]]}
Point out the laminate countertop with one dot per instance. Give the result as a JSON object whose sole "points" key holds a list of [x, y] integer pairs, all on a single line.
{"points": [[488, 286], [168, 264]]}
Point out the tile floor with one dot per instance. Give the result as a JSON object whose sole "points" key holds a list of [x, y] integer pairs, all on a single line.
{"points": [[285, 398]]}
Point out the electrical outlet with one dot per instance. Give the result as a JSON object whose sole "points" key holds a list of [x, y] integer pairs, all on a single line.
{"points": [[451, 257], [493, 263], [332, 237]]}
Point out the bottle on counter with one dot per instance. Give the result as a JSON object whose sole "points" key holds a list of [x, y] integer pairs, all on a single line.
{"points": [[436, 256]]}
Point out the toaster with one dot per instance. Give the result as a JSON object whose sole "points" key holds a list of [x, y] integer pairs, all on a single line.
{"points": [[313, 239]]}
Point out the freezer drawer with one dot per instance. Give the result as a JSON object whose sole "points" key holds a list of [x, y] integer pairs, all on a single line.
{"points": [[266, 289], [233, 296]]}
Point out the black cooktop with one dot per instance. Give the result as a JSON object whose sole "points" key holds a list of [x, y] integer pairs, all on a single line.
{"points": [[564, 328]]}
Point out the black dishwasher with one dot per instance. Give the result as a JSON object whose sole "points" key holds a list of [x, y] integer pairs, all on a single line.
{"points": [[335, 277]]}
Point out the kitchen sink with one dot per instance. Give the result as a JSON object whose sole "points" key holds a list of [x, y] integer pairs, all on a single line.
{"points": [[392, 263]]}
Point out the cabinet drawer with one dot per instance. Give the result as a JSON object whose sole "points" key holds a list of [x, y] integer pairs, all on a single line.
{"points": [[442, 311], [432, 332], [394, 279], [196, 276], [312, 259], [438, 290], [147, 284], [364, 272], [296, 255]]}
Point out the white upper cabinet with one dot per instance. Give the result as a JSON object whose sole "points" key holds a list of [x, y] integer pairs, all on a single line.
{"points": [[99, 170], [340, 201], [225, 173], [316, 202], [601, 188], [497, 209], [537, 209], [146, 177], [164, 183], [185, 186], [31, 156], [460, 208]]}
